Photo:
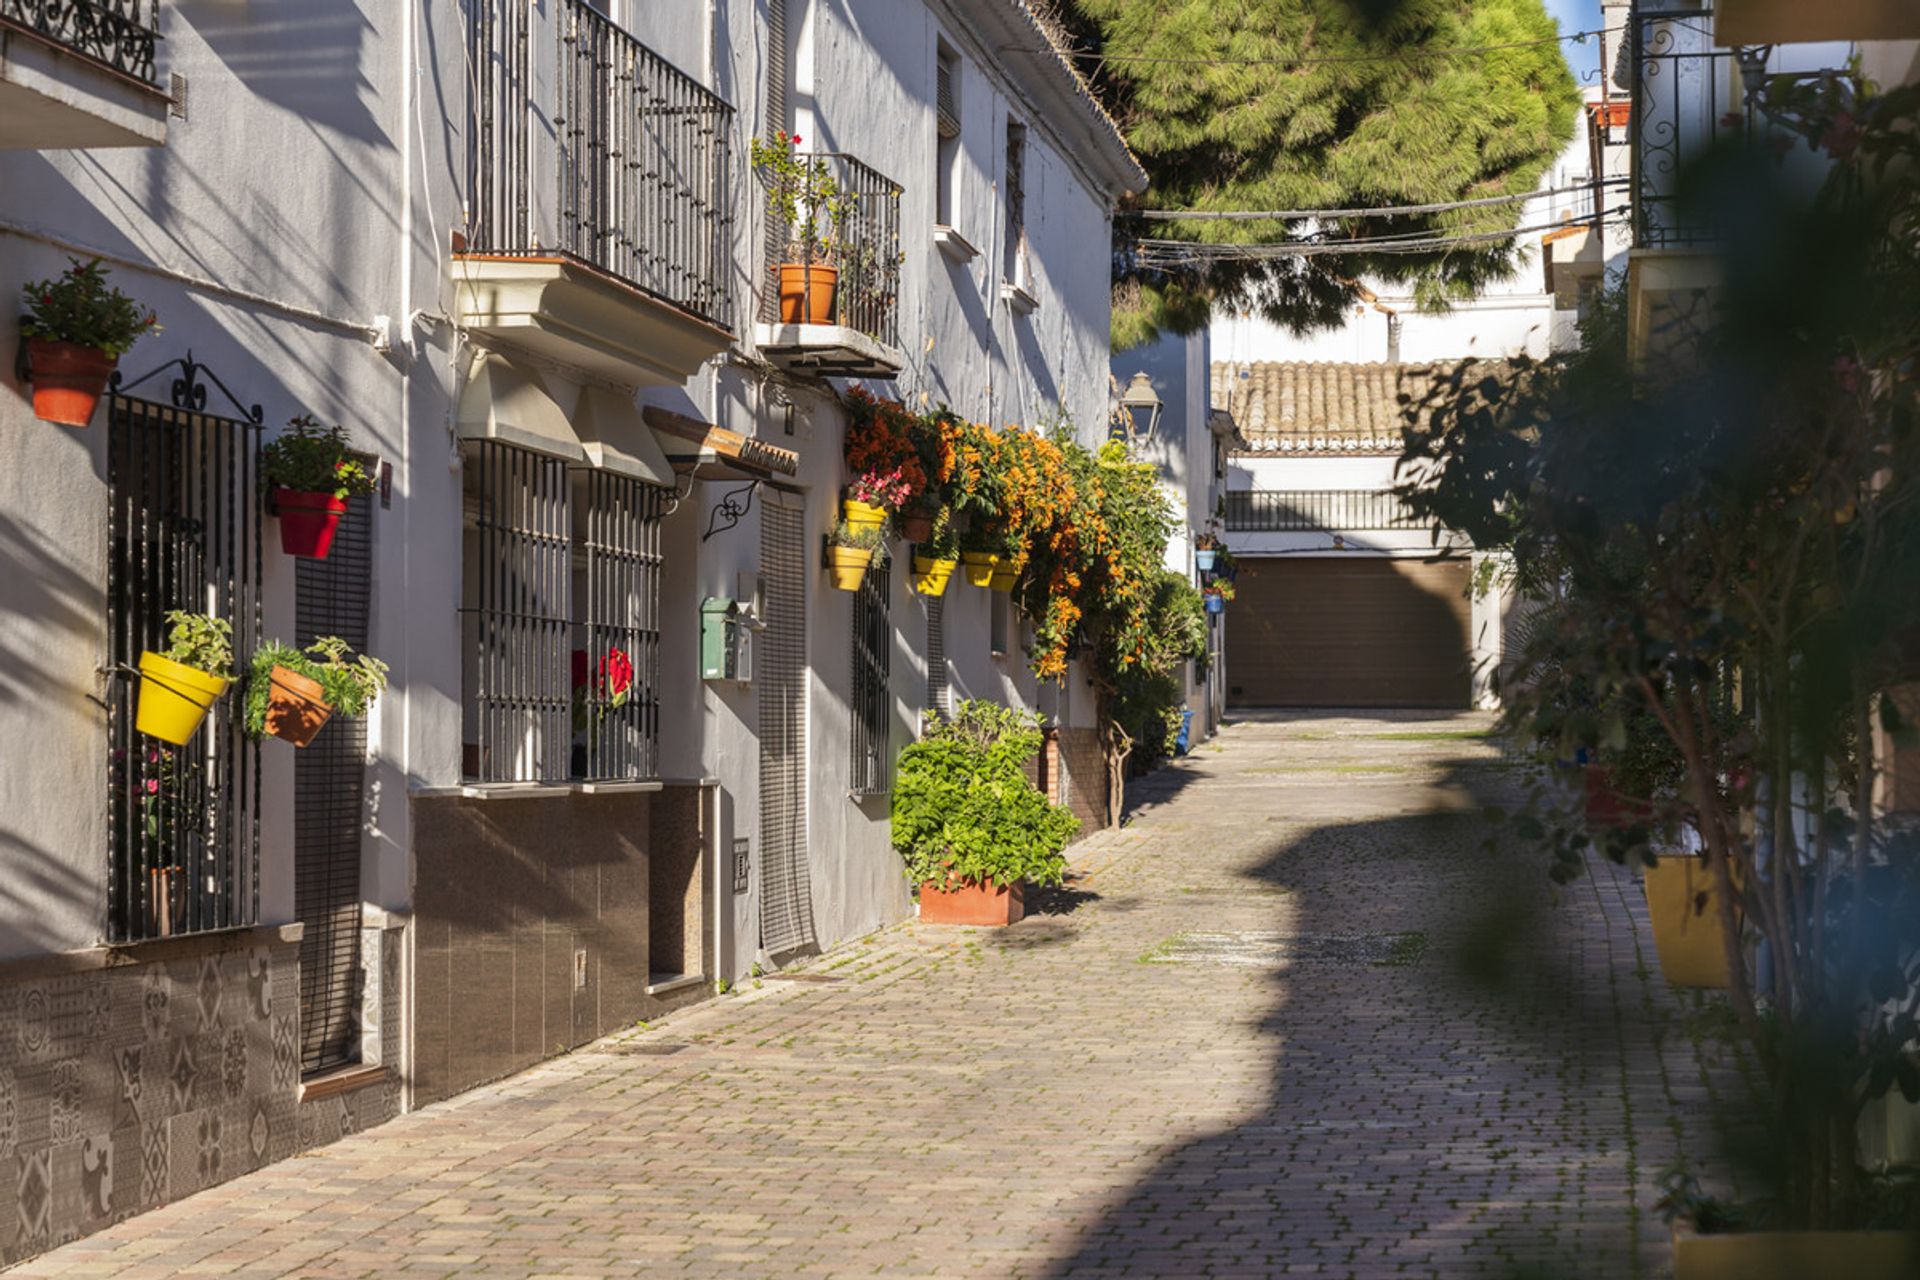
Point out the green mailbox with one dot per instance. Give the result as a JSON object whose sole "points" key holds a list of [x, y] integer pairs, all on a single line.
{"points": [[721, 637]]}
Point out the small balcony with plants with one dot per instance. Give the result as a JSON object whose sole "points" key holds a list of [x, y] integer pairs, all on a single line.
{"points": [[831, 296], [80, 73], [599, 229]]}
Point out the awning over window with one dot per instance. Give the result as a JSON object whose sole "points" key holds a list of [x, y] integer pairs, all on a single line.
{"points": [[505, 402], [614, 436]]}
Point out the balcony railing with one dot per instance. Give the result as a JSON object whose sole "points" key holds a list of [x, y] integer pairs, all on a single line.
{"points": [[1316, 511], [120, 34], [612, 156], [1686, 97], [864, 245]]}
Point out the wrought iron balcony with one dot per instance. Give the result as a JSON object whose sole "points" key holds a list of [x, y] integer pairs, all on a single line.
{"points": [[1317, 511], [1687, 96], [118, 34], [587, 145], [860, 239]]}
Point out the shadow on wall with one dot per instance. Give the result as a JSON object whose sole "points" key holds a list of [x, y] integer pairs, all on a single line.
{"points": [[301, 56], [35, 878], [1447, 1087], [43, 585]]}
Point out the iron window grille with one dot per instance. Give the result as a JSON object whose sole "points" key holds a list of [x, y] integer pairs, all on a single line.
{"points": [[938, 693], [1014, 260], [561, 601], [119, 34], [867, 254], [332, 597], [1686, 95], [637, 169], [872, 653], [1317, 511], [183, 522]]}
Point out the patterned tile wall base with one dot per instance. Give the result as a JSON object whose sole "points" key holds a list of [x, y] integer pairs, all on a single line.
{"points": [[127, 1087]]}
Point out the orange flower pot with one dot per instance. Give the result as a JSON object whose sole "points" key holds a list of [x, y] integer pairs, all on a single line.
{"points": [[985, 904], [295, 708], [67, 380], [806, 293]]}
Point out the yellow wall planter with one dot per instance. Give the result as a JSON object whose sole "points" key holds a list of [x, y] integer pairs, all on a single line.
{"points": [[1796, 1255], [174, 698], [978, 566], [1689, 942], [847, 566], [1002, 579], [862, 515], [930, 576]]}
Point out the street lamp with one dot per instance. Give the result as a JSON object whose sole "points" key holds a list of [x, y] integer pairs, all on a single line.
{"points": [[1142, 409]]}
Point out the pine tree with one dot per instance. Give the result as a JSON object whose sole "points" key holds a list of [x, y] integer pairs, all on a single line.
{"points": [[1303, 104]]}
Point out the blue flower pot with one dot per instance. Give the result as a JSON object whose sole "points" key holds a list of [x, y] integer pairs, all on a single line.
{"points": [[1205, 557], [1216, 604]]}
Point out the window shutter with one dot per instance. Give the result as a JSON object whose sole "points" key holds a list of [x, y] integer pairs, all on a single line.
{"points": [[945, 110], [778, 72]]}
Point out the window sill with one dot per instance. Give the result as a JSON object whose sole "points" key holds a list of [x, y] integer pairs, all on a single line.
{"points": [[616, 788], [665, 984], [958, 249], [536, 790], [1019, 297], [345, 1080]]}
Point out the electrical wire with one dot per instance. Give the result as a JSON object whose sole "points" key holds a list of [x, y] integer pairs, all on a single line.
{"points": [[1176, 253], [1290, 63], [1381, 211]]}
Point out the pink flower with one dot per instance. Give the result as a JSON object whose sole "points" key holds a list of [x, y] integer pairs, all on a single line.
{"points": [[1846, 372], [153, 786], [1842, 136]]}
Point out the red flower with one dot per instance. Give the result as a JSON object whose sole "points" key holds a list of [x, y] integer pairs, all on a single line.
{"points": [[795, 139], [616, 675]]}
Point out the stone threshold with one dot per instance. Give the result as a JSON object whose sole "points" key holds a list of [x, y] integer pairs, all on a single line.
{"points": [[345, 1080]]}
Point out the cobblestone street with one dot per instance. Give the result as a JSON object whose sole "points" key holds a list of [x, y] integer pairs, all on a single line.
{"points": [[1292, 1019]]}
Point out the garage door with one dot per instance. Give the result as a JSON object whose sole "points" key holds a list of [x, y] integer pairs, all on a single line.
{"points": [[1349, 632]]}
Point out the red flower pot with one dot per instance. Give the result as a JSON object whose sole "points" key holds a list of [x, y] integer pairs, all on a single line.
{"points": [[915, 528], [307, 521], [1606, 806], [67, 380], [983, 904]]}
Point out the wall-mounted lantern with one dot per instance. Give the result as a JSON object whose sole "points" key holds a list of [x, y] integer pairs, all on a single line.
{"points": [[1141, 408]]}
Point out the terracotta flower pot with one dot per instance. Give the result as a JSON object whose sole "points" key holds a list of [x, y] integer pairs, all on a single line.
{"points": [[978, 904], [174, 698], [295, 708], [978, 566], [847, 566], [806, 293], [915, 528], [308, 521], [930, 576], [67, 380]]}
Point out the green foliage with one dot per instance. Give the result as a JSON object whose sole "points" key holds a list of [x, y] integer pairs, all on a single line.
{"points": [[942, 542], [804, 197], [1304, 104], [80, 306], [349, 683], [964, 810], [1147, 697], [861, 537], [200, 641], [310, 458]]}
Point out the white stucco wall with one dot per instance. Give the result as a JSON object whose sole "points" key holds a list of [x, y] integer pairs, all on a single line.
{"points": [[287, 183]]}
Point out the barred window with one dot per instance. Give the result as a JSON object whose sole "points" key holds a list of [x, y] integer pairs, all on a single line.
{"points": [[872, 651], [937, 690], [183, 528], [560, 620]]}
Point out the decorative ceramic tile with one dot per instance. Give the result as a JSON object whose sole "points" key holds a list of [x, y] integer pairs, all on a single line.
{"points": [[154, 1162], [35, 1023], [260, 982], [183, 1155], [182, 1074], [207, 991], [35, 1190], [130, 1064], [96, 1176], [64, 1091], [259, 1135], [156, 1000], [212, 1151], [9, 1113], [233, 1064], [286, 1054], [209, 1052]]}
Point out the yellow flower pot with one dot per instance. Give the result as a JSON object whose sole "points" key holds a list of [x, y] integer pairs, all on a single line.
{"points": [[174, 698], [1796, 1255], [930, 576], [1689, 941], [862, 515], [847, 567], [1002, 579], [978, 566]]}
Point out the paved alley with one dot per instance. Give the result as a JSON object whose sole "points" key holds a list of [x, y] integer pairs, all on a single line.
{"points": [[1292, 1019]]}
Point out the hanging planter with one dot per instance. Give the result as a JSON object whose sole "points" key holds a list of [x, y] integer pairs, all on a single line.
{"points": [[1216, 603], [292, 693], [180, 685], [1002, 579], [978, 567], [847, 566], [75, 329], [310, 472], [1204, 558], [931, 575], [863, 515]]}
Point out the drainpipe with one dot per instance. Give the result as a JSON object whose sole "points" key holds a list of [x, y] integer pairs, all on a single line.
{"points": [[1393, 333]]}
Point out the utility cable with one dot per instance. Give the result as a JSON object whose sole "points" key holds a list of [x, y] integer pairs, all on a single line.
{"points": [[1380, 211], [1170, 253], [1290, 63]]}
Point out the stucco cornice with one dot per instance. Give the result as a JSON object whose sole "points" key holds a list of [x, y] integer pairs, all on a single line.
{"points": [[1024, 50]]}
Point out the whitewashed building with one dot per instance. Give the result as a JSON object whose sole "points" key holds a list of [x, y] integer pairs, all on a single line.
{"points": [[519, 253]]}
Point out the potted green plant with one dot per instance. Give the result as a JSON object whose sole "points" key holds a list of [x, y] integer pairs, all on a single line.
{"points": [[291, 693], [310, 472], [851, 550], [180, 684], [971, 828], [935, 558], [806, 200], [982, 547], [77, 327], [873, 497], [1217, 594]]}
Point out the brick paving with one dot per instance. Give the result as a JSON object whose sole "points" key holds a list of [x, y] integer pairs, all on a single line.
{"points": [[1293, 1019]]}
